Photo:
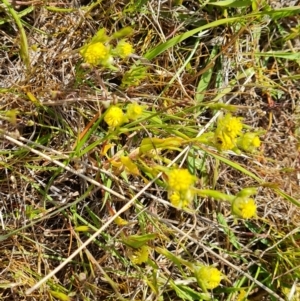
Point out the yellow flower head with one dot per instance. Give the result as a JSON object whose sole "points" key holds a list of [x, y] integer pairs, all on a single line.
{"points": [[256, 141], [114, 116], [181, 200], [95, 53], [243, 207], [228, 129], [232, 126], [249, 142], [180, 180], [140, 255], [223, 141], [207, 276], [124, 49], [134, 111]]}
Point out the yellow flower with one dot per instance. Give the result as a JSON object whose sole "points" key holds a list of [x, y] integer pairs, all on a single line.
{"points": [[134, 111], [223, 141], [232, 126], [228, 129], [174, 198], [181, 200], [114, 117], [139, 255], [208, 277], [124, 49], [95, 53], [180, 180], [249, 142], [243, 207], [256, 142]]}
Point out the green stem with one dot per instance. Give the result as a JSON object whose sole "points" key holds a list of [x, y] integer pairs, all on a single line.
{"points": [[215, 194], [23, 39]]}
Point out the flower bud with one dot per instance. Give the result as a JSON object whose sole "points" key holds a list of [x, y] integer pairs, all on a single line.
{"points": [[124, 49], [249, 142], [134, 111], [243, 207]]}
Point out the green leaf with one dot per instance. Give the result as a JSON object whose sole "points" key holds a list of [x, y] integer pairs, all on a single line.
{"points": [[134, 76], [84, 139], [232, 3], [176, 259], [82, 228], [282, 12], [274, 14], [232, 238], [148, 144], [187, 293], [60, 296], [288, 197], [235, 166], [24, 53], [176, 40], [137, 241], [280, 54], [100, 36], [122, 33], [206, 77], [94, 217], [20, 14]]}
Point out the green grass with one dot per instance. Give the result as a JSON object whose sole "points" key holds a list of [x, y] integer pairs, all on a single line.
{"points": [[85, 210]]}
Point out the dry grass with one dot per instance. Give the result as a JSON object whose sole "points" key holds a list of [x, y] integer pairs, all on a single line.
{"points": [[56, 178]]}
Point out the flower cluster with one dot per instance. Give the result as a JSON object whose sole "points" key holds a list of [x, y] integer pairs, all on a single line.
{"points": [[228, 129], [181, 187], [229, 136], [114, 116], [100, 52], [208, 277]]}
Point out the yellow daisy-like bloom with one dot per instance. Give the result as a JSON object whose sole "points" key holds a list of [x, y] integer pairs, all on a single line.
{"points": [[114, 116], [124, 49], [95, 53], [244, 207], [208, 276], [134, 111], [180, 180]]}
